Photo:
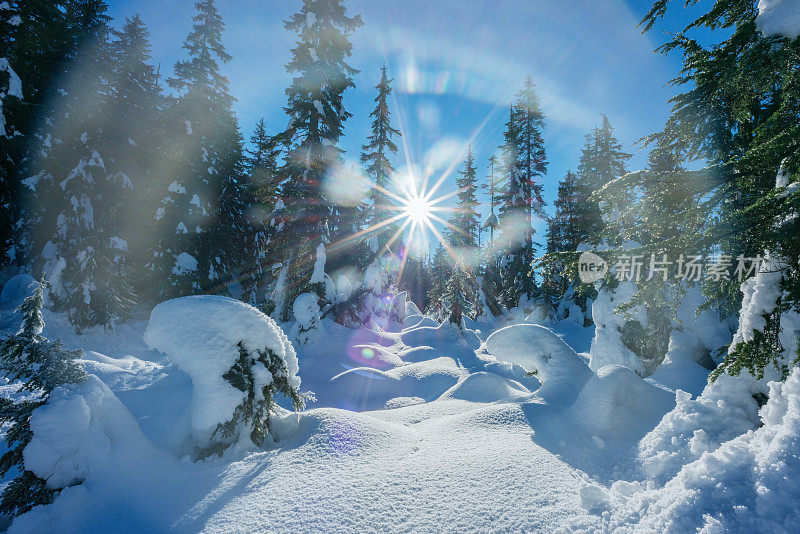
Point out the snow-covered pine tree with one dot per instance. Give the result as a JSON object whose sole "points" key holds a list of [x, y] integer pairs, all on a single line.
{"points": [[316, 118], [10, 98], [260, 375], [460, 294], [38, 366], [513, 276], [440, 272], [35, 44], [375, 158], [134, 139], [200, 219], [738, 115], [524, 161], [80, 249], [562, 236], [531, 151]]}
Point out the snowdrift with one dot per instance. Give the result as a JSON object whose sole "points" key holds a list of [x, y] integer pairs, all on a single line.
{"points": [[200, 334], [561, 370], [747, 483]]}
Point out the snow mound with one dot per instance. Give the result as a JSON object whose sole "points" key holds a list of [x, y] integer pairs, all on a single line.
{"points": [[679, 370], [781, 17], [486, 387], [200, 334], [120, 374], [415, 321], [17, 288], [365, 388], [748, 484], [75, 432], [616, 399], [533, 347], [440, 335], [412, 309]]}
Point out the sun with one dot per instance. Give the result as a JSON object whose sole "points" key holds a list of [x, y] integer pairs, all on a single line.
{"points": [[417, 209]]}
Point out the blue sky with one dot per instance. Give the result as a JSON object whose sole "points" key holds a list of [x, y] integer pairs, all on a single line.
{"points": [[456, 66]]}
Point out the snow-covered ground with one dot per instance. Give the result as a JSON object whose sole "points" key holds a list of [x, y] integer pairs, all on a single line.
{"points": [[416, 428]]}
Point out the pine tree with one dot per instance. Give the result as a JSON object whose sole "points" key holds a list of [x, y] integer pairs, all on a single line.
{"points": [[252, 415], [134, 139], [465, 219], [40, 366], [493, 188], [562, 231], [201, 217], [261, 167], [10, 97], [440, 272], [562, 236], [317, 117], [738, 115], [602, 160], [35, 45], [461, 294], [375, 158], [80, 249], [524, 161], [531, 151]]}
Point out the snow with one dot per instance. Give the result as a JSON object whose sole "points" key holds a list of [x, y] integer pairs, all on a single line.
{"points": [[616, 398], [185, 263], [17, 288], [781, 17], [748, 483], [200, 335], [536, 348], [14, 86], [607, 346], [69, 433], [318, 275], [118, 243], [760, 295], [417, 427], [307, 316]]}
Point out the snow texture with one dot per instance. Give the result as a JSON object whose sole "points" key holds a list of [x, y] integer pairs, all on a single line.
{"points": [[779, 17], [318, 275], [747, 483], [536, 348], [607, 346], [185, 263]]}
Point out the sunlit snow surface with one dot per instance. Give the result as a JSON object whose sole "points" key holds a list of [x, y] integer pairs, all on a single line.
{"points": [[415, 429]]}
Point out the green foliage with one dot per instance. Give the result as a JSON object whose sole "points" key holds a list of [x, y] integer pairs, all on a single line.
{"points": [[523, 163], [460, 295], [602, 161], [737, 112], [650, 342], [253, 413], [378, 168], [465, 219], [757, 354], [39, 366]]}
